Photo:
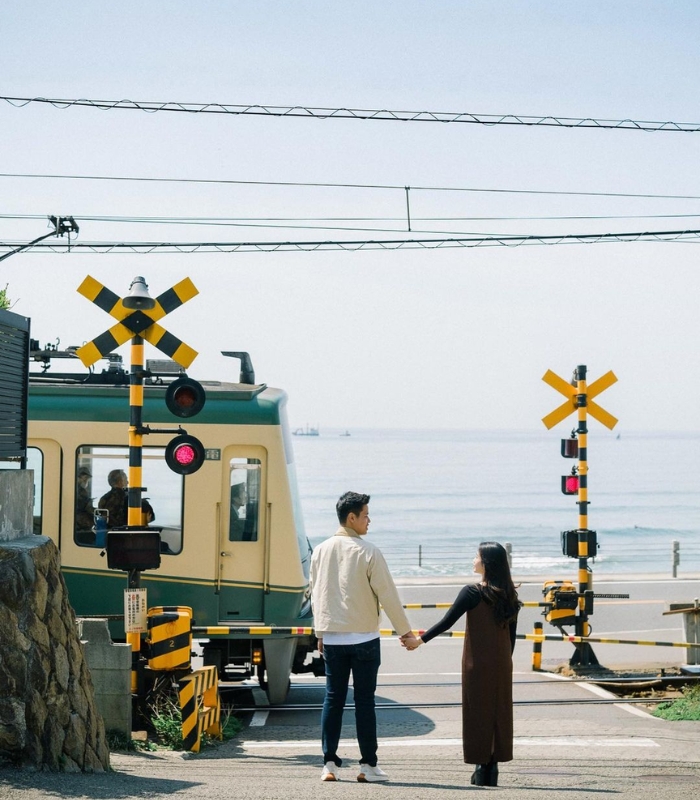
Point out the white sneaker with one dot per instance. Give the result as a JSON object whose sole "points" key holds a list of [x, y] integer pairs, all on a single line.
{"points": [[371, 774], [330, 772]]}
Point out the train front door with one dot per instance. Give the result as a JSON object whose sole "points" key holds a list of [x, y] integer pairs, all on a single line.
{"points": [[242, 535]]}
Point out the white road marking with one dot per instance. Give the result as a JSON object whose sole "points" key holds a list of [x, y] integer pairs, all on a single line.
{"points": [[590, 687], [259, 719], [518, 741]]}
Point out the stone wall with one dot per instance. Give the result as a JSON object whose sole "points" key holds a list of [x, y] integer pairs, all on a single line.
{"points": [[48, 716], [16, 500]]}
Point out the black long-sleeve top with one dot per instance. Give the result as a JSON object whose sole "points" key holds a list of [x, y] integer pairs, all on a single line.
{"points": [[468, 598]]}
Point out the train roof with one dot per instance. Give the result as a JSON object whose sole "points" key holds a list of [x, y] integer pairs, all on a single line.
{"points": [[226, 403], [104, 396]]}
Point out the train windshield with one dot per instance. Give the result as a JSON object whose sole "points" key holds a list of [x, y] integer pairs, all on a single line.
{"points": [[101, 495]]}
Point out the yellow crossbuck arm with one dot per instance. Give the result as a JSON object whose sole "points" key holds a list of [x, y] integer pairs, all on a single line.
{"points": [[562, 386], [560, 413], [170, 345], [601, 384], [601, 415], [93, 351], [102, 297]]}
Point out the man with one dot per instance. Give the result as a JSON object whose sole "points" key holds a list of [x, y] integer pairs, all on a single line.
{"points": [[116, 501], [84, 512], [349, 582], [238, 501]]}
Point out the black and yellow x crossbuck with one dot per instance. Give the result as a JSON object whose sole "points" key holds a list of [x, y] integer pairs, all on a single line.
{"points": [[137, 319], [137, 322], [579, 397]]}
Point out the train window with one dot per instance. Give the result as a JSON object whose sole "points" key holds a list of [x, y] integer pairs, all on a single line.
{"points": [[101, 480], [245, 499], [35, 461]]}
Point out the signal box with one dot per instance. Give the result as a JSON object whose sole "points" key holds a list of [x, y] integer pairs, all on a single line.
{"points": [[169, 642], [133, 549], [569, 543]]}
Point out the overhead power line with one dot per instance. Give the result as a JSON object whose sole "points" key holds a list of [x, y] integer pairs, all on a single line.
{"points": [[242, 221], [382, 186], [310, 112], [360, 244]]}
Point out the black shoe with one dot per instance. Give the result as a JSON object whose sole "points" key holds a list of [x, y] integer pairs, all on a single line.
{"points": [[492, 773], [480, 775]]}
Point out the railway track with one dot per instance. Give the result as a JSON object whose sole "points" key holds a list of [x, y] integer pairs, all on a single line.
{"points": [[634, 684]]}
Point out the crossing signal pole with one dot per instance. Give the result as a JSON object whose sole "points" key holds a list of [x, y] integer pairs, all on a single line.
{"points": [[137, 548], [581, 543]]}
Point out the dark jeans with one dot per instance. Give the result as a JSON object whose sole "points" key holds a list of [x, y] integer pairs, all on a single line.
{"points": [[363, 661]]}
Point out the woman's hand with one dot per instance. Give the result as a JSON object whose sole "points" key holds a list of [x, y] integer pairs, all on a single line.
{"points": [[410, 641]]}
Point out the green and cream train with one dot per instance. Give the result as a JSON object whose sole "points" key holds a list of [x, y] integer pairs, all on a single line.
{"points": [[233, 546]]}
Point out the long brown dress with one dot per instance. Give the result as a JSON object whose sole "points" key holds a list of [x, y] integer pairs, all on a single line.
{"points": [[487, 678]]}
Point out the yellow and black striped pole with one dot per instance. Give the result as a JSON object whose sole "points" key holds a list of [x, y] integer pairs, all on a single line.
{"points": [[537, 648], [584, 653], [134, 514]]}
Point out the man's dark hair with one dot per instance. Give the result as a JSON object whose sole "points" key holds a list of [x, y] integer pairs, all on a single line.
{"points": [[350, 503]]}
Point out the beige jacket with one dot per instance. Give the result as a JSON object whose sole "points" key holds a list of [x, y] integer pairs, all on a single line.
{"points": [[349, 581]]}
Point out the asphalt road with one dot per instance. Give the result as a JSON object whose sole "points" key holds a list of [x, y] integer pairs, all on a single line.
{"points": [[563, 743]]}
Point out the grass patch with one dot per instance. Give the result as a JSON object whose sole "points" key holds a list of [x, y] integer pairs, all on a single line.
{"points": [[166, 719], [686, 707], [163, 718]]}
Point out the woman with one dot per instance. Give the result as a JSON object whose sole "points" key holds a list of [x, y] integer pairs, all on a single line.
{"points": [[492, 608]]}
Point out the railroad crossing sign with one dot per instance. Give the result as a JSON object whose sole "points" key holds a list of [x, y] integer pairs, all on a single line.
{"points": [[136, 322], [572, 391]]}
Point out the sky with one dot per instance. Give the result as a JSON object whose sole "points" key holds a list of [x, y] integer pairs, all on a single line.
{"points": [[450, 338]]}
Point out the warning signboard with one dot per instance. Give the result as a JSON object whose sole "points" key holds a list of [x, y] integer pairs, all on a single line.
{"points": [[135, 607]]}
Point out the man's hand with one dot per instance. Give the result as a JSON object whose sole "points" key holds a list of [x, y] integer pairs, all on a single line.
{"points": [[410, 641], [320, 646]]}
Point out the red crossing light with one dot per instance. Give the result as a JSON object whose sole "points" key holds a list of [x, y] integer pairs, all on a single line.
{"points": [[184, 454], [185, 397], [569, 484]]}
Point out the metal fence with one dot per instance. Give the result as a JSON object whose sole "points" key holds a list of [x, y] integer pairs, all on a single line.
{"points": [[667, 559]]}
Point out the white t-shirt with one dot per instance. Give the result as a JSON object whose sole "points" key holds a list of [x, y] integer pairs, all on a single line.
{"points": [[334, 637]]}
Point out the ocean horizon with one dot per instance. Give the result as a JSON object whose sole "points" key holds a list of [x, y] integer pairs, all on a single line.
{"points": [[437, 493]]}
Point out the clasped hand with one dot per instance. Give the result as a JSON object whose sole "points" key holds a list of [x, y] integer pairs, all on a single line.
{"points": [[410, 641]]}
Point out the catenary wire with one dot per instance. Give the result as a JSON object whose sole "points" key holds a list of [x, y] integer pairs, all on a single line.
{"points": [[360, 244], [311, 112], [237, 221], [327, 185]]}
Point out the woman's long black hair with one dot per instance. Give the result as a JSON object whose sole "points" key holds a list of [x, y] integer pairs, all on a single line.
{"points": [[498, 588]]}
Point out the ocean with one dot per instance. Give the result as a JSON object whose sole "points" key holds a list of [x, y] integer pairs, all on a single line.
{"points": [[437, 494]]}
